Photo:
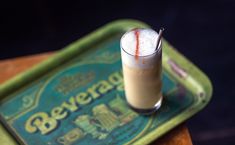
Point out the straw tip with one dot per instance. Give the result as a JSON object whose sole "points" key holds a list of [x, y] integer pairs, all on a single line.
{"points": [[162, 29]]}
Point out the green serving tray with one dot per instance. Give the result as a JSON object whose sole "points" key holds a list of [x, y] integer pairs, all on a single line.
{"points": [[77, 96]]}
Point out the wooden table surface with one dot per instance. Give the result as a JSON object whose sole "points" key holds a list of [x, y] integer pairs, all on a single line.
{"points": [[11, 67]]}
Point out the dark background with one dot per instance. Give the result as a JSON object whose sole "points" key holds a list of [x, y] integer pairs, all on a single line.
{"points": [[201, 30]]}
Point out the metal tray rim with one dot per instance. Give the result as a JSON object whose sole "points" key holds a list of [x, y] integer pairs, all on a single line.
{"points": [[123, 25]]}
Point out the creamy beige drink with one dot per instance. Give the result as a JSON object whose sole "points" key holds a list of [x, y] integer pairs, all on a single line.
{"points": [[141, 63]]}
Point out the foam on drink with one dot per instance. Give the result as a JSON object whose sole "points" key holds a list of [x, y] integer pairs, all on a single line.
{"points": [[141, 62], [147, 40]]}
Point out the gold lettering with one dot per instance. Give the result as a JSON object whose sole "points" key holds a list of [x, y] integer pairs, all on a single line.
{"points": [[120, 87], [72, 106], [83, 98], [58, 113], [40, 121], [117, 80], [43, 122], [92, 91], [104, 87]]}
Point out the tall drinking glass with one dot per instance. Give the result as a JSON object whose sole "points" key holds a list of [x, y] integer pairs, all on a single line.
{"points": [[142, 67]]}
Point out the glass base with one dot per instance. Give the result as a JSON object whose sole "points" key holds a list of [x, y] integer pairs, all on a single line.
{"points": [[147, 111]]}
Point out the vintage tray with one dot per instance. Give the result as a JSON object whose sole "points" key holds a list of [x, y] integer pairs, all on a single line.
{"points": [[77, 96]]}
